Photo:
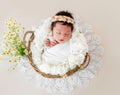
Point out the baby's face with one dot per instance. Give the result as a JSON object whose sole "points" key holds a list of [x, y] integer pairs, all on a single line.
{"points": [[61, 33]]}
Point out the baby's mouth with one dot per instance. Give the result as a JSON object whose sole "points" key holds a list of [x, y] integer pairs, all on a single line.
{"points": [[61, 40]]}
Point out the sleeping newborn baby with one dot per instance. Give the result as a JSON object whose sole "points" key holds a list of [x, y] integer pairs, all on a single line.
{"points": [[62, 47]]}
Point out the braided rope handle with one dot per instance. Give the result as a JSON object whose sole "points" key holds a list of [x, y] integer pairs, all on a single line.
{"points": [[78, 67], [30, 40]]}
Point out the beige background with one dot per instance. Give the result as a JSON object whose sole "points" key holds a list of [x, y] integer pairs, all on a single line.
{"points": [[104, 15]]}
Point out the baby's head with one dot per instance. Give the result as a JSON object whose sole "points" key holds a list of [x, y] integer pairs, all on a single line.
{"points": [[62, 26]]}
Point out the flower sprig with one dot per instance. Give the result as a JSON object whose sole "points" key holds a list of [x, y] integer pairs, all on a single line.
{"points": [[13, 44]]}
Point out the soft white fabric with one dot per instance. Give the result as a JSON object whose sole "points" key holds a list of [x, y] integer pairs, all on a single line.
{"points": [[56, 54], [53, 59]]}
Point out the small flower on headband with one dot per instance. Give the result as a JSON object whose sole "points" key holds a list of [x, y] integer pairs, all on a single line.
{"points": [[63, 18]]}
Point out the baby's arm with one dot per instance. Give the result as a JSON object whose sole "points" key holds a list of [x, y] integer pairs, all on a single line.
{"points": [[50, 43]]}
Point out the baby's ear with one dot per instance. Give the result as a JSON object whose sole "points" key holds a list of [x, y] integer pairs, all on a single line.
{"points": [[51, 32], [51, 28]]}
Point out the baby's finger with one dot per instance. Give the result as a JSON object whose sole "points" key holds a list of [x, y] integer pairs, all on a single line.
{"points": [[53, 43], [47, 40]]}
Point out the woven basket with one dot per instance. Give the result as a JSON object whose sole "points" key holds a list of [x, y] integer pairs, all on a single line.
{"points": [[69, 73]]}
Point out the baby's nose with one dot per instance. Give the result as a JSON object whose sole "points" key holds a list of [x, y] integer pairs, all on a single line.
{"points": [[62, 36]]}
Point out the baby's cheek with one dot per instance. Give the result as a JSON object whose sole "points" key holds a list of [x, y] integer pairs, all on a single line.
{"points": [[69, 37], [57, 37]]}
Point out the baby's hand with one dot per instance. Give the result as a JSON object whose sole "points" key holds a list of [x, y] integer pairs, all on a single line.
{"points": [[50, 43]]}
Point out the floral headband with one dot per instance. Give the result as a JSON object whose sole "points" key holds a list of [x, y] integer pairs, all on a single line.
{"points": [[63, 18]]}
